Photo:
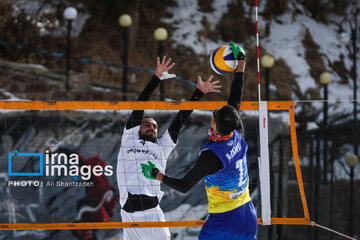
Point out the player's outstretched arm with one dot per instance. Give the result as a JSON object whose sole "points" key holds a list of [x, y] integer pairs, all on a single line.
{"points": [[236, 90], [202, 87], [161, 67], [207, 163]]}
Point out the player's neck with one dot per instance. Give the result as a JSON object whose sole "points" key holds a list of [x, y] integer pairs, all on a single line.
{"points": [[217, 137]]}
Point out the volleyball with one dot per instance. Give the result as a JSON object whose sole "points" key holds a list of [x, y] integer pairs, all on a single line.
{"points": [[222, 60]]}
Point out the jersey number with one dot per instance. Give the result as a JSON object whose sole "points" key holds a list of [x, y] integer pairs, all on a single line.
{"points": [[239, 165]]}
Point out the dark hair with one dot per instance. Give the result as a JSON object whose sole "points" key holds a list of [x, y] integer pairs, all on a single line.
{"points": [[147, 117], [227, 119]]}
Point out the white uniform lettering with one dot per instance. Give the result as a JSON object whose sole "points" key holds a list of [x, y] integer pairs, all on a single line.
{"points": [[233, 151], [239, 165]]}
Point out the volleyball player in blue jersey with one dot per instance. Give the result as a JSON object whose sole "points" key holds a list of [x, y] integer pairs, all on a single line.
{"points": [[222, 162]]}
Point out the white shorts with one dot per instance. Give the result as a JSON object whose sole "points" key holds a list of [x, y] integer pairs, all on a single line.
{"points": [[149, 215]]}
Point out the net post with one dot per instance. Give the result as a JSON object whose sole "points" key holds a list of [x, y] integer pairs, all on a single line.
{"points": [[297, 161], [264, 168]]}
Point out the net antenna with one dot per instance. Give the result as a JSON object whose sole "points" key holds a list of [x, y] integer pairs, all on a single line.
{"points": [[263, 160]]}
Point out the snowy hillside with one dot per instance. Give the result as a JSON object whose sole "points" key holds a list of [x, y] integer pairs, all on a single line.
{"points": [[285, 41], [301, 35]]}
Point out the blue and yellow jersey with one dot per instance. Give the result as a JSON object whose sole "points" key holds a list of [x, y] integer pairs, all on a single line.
{"points": [[228, 188]]}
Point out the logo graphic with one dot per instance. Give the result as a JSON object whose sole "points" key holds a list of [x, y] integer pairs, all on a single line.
{"points": [[60, 164], [16, 154]]}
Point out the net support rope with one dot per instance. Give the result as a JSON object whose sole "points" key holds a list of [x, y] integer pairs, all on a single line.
{"points": [[314, 224]]}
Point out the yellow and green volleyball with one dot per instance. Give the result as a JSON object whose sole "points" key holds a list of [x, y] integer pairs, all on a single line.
{"points": [[222, 60]]}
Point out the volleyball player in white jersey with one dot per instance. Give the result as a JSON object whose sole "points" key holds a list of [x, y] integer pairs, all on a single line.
{"points": [[139, 196]]}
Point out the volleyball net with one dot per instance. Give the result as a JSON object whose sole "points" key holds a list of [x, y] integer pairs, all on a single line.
{"points": [[58, 164]]}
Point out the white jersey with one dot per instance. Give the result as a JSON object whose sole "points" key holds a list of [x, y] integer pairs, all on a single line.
{"points": [[132, 153]]}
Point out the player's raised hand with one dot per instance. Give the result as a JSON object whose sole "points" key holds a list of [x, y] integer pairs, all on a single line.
{"points": [[208, 86], [163, 67], [239, 52]]}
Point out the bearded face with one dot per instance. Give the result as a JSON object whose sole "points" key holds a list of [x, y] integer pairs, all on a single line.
{"points": [[148, 130]]}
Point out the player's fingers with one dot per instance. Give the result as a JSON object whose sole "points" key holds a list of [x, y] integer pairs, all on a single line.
{"points": [[163, 60], [215, 82], [209, 78], [171, 66], [198, 78], [168, 61], [216, 86], [158, 61]]}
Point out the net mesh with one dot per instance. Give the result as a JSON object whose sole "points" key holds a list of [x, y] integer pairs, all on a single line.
{"points": [[93, 131]]}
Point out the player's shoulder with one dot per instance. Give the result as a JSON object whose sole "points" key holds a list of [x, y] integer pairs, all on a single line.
{"points": [[131, 133], [133, 130]]}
